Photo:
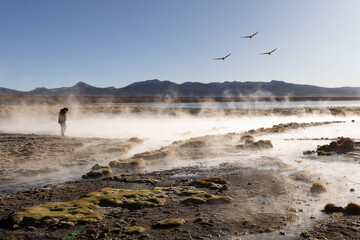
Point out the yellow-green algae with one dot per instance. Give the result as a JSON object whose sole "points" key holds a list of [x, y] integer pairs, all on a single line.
{"points": [[133, 199], [134, 230], [75, 211], [83, 210], [165, 188], [208, 181], [192, 192], [200, 197], [170, 222]]}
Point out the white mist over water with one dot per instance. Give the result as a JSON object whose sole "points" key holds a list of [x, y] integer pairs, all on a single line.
{"points": [[253, 105], [156, 130]]}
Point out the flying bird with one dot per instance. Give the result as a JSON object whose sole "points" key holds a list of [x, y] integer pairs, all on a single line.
{"points": [[250, 36], [222, 58], [269, 53]]}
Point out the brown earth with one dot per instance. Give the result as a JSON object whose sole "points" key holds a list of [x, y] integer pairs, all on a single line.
{"points": [[246, 214], [338, 227]]}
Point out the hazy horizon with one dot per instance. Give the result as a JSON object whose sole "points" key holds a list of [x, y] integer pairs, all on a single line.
{"points": [[176, 83]]}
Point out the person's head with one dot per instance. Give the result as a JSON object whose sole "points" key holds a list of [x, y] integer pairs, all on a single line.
{"points": [[64, 110]]}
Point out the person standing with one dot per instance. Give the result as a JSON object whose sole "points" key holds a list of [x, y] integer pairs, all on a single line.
{"points": [[62, 120]]}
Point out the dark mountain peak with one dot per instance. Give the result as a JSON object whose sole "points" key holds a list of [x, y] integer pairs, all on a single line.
{"points": [[277, 82], [40, 89], [156, 82], [153, 81], [82, 85], [150, 83], [157, 87], [191, 83]]}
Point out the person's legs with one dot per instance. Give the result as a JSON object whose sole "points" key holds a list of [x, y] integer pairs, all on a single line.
{"points": [[63, 128]]}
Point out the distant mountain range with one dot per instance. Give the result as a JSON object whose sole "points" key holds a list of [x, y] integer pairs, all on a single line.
{"points": [[157, 88]]}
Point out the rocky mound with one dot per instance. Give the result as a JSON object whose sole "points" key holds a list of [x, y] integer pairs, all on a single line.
{"points": [[259, 145], [342, 145]]}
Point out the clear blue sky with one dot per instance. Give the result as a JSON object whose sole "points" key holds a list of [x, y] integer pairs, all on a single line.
{"points": [[57, 43]]}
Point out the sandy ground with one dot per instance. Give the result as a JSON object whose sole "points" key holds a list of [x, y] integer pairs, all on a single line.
{"points": [[246, 202]]}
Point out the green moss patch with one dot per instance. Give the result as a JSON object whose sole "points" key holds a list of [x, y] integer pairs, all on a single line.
{"points": [[132, 199], [170, 223], [201, 197], [84, 209], [134, 230], [133, 204], [208, 181], [191, 192], [78, 211], [165, 188]]}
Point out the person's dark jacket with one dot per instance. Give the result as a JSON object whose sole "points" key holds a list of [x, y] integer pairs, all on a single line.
{"points": [[62, 116]]}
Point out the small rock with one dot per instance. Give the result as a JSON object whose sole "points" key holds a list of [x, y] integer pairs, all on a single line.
{"points": [[282, 232], [143, 237], [31, 228], [225, 231], [197, 220], [66, 224], [352, 190], [214, 186]]}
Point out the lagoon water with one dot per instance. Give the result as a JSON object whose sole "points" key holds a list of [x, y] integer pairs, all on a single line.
{"points": [[252, 105]]}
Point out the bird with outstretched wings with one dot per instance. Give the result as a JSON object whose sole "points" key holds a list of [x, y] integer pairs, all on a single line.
{"points": [[222, 58], [251, 36], [269, 53]]}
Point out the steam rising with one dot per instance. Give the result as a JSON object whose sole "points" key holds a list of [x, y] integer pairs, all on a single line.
{"points": [[159, 130]]}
